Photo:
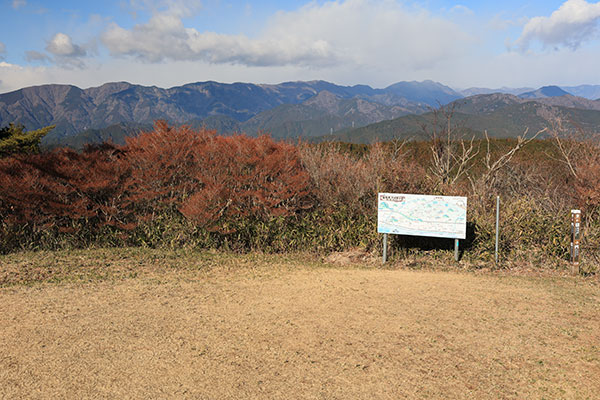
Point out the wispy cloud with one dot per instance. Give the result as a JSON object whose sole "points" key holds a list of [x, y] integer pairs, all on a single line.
{"points": [[2, 50], [60, 50], [36, 56], [461, 9], [164, 37], [574, 22], [4, 64]]}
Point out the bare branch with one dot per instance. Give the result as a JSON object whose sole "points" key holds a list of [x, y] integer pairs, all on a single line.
{"points": [[493, 167], [566, 150], [451, 155]]}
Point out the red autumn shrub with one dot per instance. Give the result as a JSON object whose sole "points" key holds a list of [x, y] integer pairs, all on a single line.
{"points": [[164, 164], [338, 178], [213, 180], [246, 178], [62, 187]]}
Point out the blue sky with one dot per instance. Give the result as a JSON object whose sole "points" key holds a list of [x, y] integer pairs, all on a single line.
{"points": [[376, 42]]}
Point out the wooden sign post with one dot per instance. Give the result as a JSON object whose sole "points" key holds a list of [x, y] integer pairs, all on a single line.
{"points": [[575, 240]]}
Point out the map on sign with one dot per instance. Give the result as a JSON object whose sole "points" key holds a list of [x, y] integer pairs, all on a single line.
{"points": [[422, 215]]}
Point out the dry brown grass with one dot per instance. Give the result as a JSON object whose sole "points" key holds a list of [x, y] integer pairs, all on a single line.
{"points": [[208, 325]]}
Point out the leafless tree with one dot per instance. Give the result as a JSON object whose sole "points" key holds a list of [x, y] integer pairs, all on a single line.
{"points": [[451, 152], [492, 167], [569, 144]]}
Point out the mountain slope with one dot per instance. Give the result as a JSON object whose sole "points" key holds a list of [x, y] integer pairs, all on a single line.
{"points": [[591, 92], [571, 102], [501, 115], [114, 133], [427, 92], [320, 115]]}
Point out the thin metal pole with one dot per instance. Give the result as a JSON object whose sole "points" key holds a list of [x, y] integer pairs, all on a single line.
{"points": [[385, 237], [497, 227], [455, 249]]}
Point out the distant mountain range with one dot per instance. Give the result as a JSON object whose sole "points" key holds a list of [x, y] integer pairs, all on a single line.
{"points": [[74, 110], [501, 115], [478, 90], [288, 110], [591, 92]]}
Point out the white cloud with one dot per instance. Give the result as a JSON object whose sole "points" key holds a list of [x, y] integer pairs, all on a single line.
{"points": [[359, 32], [16, 4], [63, 49], [61, 45], [165, 38], [5, 65], [2, 50], [574, 22]]}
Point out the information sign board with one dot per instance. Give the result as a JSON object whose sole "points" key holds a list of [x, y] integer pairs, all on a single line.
{"points": [[422, 215]]}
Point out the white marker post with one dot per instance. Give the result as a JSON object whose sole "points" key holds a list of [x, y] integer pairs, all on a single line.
{"points": [[575, 240]]}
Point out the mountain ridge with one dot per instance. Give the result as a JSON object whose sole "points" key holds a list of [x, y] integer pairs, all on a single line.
{"points": [[73, 109], [285, 110], [500, 115]]}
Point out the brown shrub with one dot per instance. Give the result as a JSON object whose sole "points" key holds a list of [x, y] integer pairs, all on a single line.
{"points": [[343, 179], [587, 185], [57, 189], [164, 165], [246, 178]]}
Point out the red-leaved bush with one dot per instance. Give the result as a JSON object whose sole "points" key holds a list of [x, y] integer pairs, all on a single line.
{"points": [[60, 188], [246, 178], [212, 180], [163, 164]]}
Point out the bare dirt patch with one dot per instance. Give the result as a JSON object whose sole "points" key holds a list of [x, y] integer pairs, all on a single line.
{"points": [[230, 327]]}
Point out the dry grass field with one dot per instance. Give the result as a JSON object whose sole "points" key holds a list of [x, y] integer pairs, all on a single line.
{"points": [[129, 323]]}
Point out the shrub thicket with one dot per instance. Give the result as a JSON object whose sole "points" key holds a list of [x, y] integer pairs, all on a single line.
{"points": [[176, 187]]}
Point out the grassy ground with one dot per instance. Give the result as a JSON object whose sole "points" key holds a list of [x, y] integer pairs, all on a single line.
{"points": [[130, 323]]}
